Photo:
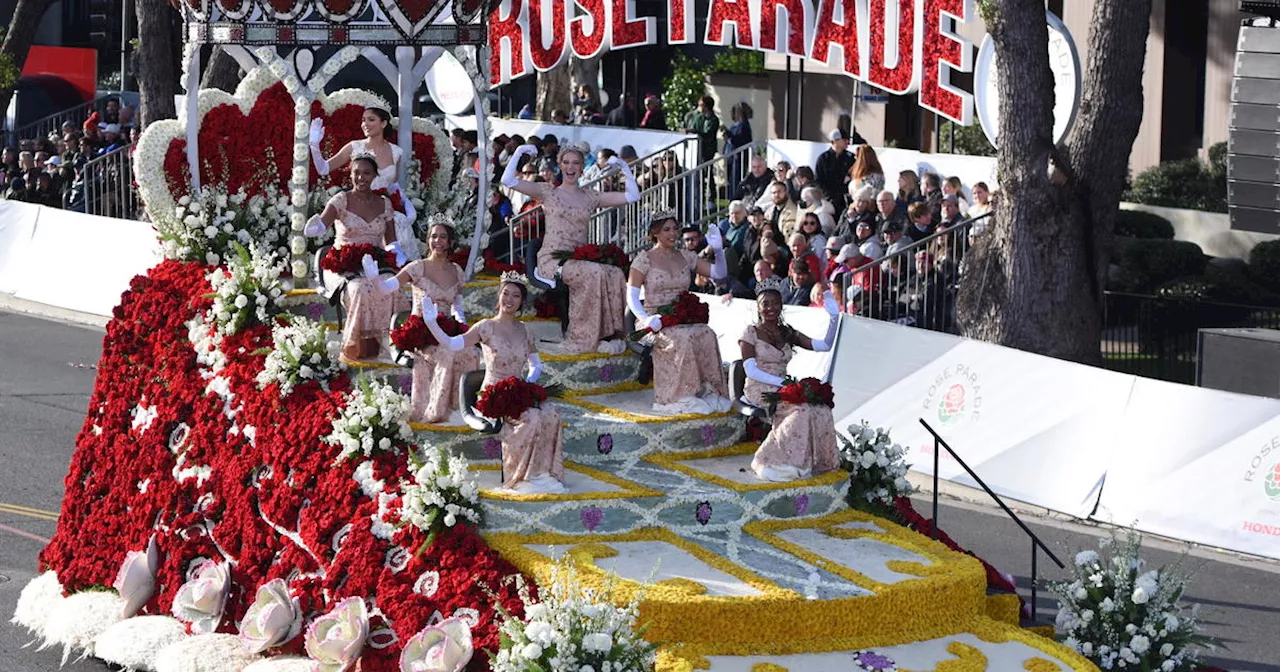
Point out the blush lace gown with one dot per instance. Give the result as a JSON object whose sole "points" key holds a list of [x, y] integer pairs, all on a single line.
{"points": [[436, 369], [802, 442], [368, 309], [532, 455], [596, 291], [386, 179], [687, 376]]}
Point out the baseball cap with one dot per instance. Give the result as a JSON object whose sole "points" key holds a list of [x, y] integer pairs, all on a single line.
{"points": [[627, 152], [836, 135], [835, 243], [893, 227], [54, 160], [848, 252], [950, 197], [755, 210]]}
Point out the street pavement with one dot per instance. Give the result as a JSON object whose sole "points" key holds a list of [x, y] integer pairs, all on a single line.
{"points": [[46, 377]]}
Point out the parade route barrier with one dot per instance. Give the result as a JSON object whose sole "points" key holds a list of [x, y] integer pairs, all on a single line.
{"points": [[71, 260], [1185, 462]]}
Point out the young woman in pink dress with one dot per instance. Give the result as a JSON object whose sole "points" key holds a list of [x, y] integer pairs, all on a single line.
{"points": [[532, 455], [802, 442], [361, 217], [596, 291], [687, 377], [436, 369]]}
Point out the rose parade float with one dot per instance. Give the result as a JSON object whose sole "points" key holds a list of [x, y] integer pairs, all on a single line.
{"points": [[248, 492]]}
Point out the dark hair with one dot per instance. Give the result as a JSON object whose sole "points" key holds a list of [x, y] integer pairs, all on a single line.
{"points": [[656, 224], [805, 172], [457, 133], [741, 112], [453, 235], [385, 116], [800, 266], [524, 293], [708, 101], [918, 209], [372, 163]]}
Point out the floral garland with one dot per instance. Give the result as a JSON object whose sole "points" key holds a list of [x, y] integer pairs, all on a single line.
{"points": [[158, 418], [566, 629], [301, 353], [375, 419], [1117, 615], [806, 391], [510, 398], [877, 467], [414, 334], [441, 495]]}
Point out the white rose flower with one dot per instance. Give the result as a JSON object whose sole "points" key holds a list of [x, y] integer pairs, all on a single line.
{"points": [[241, 301], [531, 651], [184, 201], [597, 641], [1086, 558], [200, 600], [305, 371], [445, 647], [222, 201], [1140, 644], [336, 639], [298, 199], [191, 221], [212, 258], [136, 580], [1140, 596], [450, 520], [1166, 649], [273, 619], [210, 231], [299, 267]]}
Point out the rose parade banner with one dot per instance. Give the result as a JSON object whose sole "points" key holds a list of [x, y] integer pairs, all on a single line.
{"points": [[899, 46]]}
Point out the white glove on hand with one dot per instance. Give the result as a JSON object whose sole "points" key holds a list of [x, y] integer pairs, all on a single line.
{"points": [[653, 323], [429, 311], [829, 302], [395, 248], [714, 239], [524, 150], [370, 268], [315, 227], [617, 162], [317, 131]]}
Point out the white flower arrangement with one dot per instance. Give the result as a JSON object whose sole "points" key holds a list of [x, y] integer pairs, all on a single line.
{"points": [[569, 629], [1119, 616], [375, 419], [302, 352], [877, 466], [247, 292], [442, 492]]}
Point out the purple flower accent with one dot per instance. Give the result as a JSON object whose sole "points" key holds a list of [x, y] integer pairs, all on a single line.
{"points": [[492, 448], [702, 513], [708, 434], [406, 383], [802, 504], [592, 516], [315, 310], [873, 662], [606, 373], [604, 444]]}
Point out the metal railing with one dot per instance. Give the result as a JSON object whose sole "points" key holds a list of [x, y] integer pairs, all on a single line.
{"points": [[42, 127], [1036, 544], [1158, 336], [108, 187], [915, 285]]}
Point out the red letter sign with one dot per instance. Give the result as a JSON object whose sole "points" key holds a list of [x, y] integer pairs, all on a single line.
{"points": [[797, 23], [737, 12], [588, 45], [628, 31], [901, 77], [679, 22], [506, 29], [944, 50], [544, 57], [843, 33]]}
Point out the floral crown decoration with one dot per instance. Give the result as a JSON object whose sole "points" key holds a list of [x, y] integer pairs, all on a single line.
{"points": [[514, 276], [770, 284]]}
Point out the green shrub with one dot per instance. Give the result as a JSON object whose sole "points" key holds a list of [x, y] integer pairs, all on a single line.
{"points": [[682, 89], [1264, 264], [1140, 224], [1186, 183], [1218, 160], [1146, 264]]}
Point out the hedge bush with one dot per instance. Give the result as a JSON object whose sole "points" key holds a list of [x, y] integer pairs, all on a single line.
{"points": [[1140, 224], [1264, 264], [1186, 183], [1146, 264]]}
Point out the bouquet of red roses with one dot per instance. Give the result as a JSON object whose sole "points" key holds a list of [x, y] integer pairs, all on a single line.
{"points": [[345, 260], [397, 203], [610, 255], [686, 309], [414, 334], [804, 391], [510, 398]]}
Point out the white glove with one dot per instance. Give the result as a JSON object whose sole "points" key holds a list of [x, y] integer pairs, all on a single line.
{"points": [[370, 268], [401, 259], [653, 323], [429, 311], [632, 189], [755, 373], [317, 132], [522, 151], [714, 238], [829, 302], [617, 162], [535, 368], [315, 227]]}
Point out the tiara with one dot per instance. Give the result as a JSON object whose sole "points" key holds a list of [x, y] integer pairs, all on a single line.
{"points": [[439, 219], [514, 276], [365, 155], [769, 284], [663, 215]]}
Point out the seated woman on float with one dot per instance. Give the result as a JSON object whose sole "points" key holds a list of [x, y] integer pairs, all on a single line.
{"points": [[360, 217], [532, 454], [802, 442], [686, 357], [596, 291]]}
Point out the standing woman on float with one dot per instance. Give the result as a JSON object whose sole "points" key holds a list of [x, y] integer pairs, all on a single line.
{"points": [[687, 377], [596, 291], [802, 442], [360, 217], [375, 123], [436, 369], [532, 453]]}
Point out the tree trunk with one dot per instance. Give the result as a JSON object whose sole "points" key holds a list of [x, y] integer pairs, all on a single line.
{"points": [[1034, 281], [17, 41], [223, 72], [553, 91], [586, 71], [158, 70]]}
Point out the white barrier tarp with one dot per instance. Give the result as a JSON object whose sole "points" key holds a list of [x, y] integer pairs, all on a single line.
{"points": [[69, 259]]}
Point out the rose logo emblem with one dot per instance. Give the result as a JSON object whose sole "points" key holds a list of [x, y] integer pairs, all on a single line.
{"points": [[1272, 483], [952, 405]]}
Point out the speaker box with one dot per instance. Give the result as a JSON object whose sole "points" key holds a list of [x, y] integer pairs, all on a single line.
{"points": [[1253, 155], [1239, 360]]}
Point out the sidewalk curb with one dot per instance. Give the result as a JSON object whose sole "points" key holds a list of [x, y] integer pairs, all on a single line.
{"points": [[10, 303]]}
